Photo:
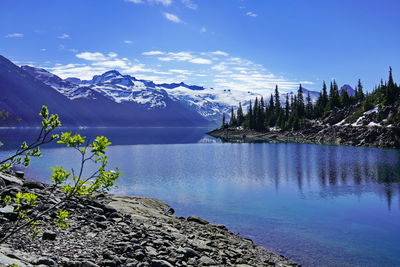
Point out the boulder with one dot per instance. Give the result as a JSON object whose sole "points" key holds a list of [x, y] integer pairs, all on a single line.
{"points": [[49, 235], [7, 261], [19, 174], [206, 261], [8, 212], [160, 263], [197, 220], [33, 184], [46, 261], [10, 179]]}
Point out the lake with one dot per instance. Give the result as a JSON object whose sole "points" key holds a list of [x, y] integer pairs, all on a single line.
{"points": [[318, 205]]}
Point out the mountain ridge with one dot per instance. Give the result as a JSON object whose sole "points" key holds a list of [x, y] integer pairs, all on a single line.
{"points": [[189, 104]]}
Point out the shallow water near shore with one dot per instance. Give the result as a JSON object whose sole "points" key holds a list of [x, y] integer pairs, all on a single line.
{"points": [[317, 205]]}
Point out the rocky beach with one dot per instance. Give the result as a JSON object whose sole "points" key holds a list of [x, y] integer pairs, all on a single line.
{"points": [[113, 230]]}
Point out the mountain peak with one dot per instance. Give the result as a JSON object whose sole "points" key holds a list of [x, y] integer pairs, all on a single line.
{"points": [[350, 91], [112, 73]]}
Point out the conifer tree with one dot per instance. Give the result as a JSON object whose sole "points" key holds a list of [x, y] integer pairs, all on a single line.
{"points": [[391, 88], [271, 103], [345, 99], [334, 98], [277, 100], [271, 112], [240, 116], [250, 117], [233, 120], [309, 106], [325, 98], [359, 95], [287, 107], [262, 105], [300, 102]]}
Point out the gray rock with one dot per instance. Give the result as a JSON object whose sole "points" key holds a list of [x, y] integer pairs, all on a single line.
{"points": [[7, 261], [96, 209], [100, 218], [161, 263], [206, 261], [115, 215], [221, 226], [169, 211], [102, 225], [197, 220], [46, 261], [6, 209], [109, 209], [19, 174], [10, 179], [33, 184], [188, 252], [49, 235], [8, 213], [88, 264], [139, 255], [2, 183], [109, 263]]}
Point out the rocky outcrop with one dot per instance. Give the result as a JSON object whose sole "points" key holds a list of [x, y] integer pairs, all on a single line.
{"points": [[112, 230], [385, 137]]}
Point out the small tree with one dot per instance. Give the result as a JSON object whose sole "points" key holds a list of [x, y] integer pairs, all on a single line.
{"points": [[72, 183]]}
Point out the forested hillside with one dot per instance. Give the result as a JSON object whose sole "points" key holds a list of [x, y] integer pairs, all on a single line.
{"points": [[336, 107]]}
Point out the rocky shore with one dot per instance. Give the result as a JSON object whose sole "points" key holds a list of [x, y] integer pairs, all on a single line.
{"points": [[384, 137], [112, 230]]}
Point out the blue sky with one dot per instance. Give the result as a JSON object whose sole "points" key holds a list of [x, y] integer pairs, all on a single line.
{"points": [[240, 44]]}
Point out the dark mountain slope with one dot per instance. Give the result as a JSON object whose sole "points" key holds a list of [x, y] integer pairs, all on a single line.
{"points": [[23, 95]]}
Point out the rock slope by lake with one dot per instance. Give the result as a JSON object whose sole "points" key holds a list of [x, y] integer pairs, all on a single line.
{"points": [[113, 230], [383, 137]]}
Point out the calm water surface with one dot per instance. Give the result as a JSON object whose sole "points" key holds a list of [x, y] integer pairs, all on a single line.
{"points": [[317, 205]]}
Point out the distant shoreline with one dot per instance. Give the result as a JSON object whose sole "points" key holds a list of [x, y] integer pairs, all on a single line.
{"points": [[381, 137]]}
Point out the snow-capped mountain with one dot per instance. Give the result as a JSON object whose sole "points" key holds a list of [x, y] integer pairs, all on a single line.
{"points": [[210, 103], [25, 90]]}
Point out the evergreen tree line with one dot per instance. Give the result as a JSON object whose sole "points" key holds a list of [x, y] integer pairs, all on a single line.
{"points": [[296, 110]]}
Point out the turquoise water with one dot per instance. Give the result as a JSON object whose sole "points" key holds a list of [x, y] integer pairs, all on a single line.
{"points": [[318, 205]]}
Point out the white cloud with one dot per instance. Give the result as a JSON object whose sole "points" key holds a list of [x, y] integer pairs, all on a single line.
{"points": [[14, 35], [221, 66], [251, 14], [172, 17], [152, 53], [165, 59], [200, 61], [81, 71], [215, 69], [112, 64], [219, 53], [128, 42], [185, 72], [203, 29], [179, 56], [64, 36], [135, 1], [163, 2], [189, 4], [43, 49], [95, 56]]}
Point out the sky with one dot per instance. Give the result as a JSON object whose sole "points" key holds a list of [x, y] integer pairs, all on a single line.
{"points": [[227, 44]]}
